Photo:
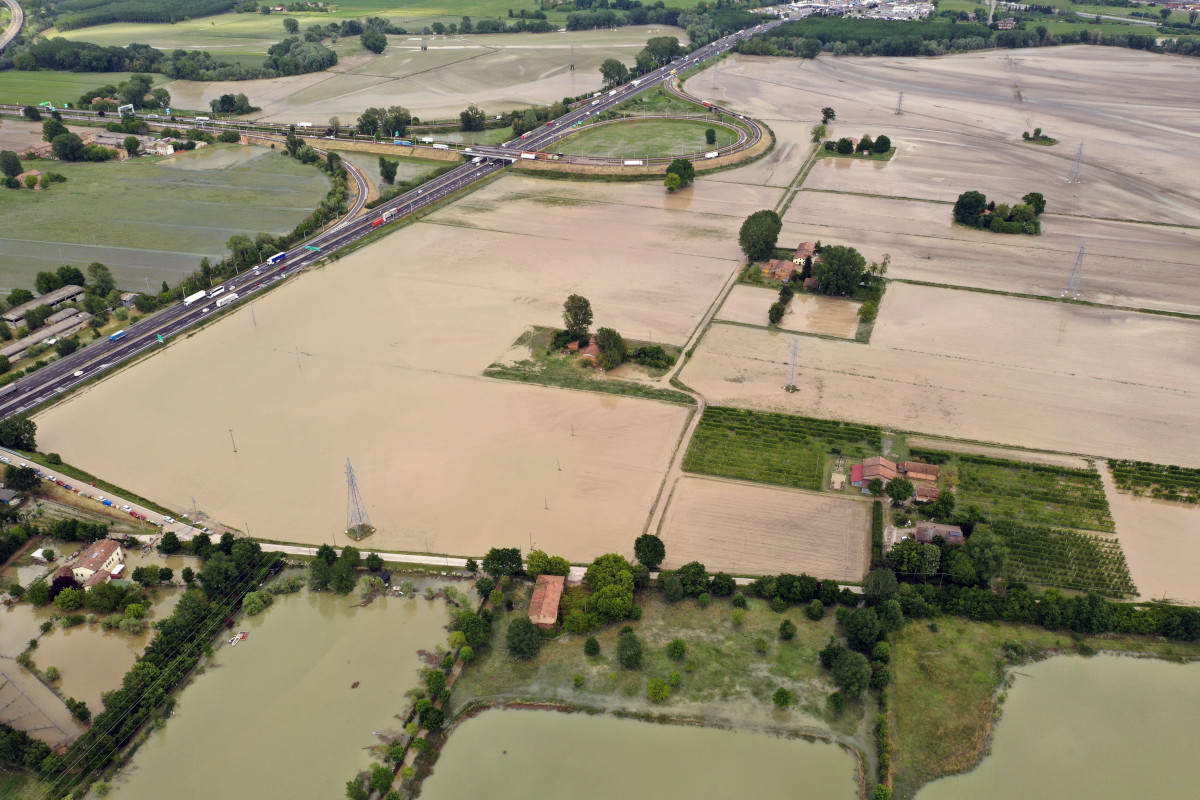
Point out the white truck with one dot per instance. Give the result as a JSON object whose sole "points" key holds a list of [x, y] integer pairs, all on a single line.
{"points": [[191, 298], [227, 299]]}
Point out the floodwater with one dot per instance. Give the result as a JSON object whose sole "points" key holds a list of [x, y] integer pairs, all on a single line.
{"points": [[511, 755], [1101, 727], [276, 716], [215, 157]]}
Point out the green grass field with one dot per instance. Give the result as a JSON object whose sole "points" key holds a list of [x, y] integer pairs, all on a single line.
{"points": [[17, 86], [1066, 559], [660, 102], [151, 219], [730, 677], [774, 448], [643, 138], [406, 168], [1038, 494]]}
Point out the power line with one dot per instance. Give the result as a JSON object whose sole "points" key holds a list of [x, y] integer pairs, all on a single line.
{"points": [[900, 104], [358, 524], [1074, 176], [1076, 274]]}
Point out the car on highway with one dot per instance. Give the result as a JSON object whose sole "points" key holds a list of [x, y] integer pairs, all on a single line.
{"points": [[78, 373]]}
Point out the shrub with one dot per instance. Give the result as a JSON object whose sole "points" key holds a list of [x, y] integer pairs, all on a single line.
{"points": [[737, 616], [739, 601], [836, 702], [881, 676], [629, 650], [484, 586], [815, 610], [467, 654], [783, 698], [52, 674], [658, 690], [761, 645], [672, 587], [591, 646], [723, 585], [522, 638], [578, 680], [787, 630], [677, 649], [882, 652], [705, 600], [779, 605], [691, 666], [675, 679]]}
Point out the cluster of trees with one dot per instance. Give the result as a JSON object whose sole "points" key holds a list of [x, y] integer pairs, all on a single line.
{"points": [[1038, 137], [100, 293], [473, 118], [18, 433], [68, 15], [337, 573], [231, 104], [759, 234], [659, 50], [136, 91], [393, 121], [866, 146], [577, 319], [680, 173], [10, 168], [74, 56], [972, 208]]}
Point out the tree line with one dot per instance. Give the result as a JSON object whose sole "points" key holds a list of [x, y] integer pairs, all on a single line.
{"points": [[972, 208], [68, 15]]}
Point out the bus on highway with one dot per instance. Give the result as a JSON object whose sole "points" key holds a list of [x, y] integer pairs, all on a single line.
{"points": [[275, 259], [118, 335]]}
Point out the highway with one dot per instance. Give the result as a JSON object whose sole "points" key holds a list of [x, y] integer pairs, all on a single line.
{"points": [[14, 27], [66, 373]]}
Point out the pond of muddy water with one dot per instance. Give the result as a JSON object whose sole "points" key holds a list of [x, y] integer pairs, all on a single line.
{"points": [[513, 755], [1107, 726], [276, 715]]}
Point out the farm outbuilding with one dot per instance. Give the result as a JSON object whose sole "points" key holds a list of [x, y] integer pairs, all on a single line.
{"points": [[547, 592]]}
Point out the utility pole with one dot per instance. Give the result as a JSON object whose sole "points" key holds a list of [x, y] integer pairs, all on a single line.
{"points": [[572, 58], [234, 446], [791, 384]]}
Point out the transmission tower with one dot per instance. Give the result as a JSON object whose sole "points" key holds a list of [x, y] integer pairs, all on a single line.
{"points": [[572, 58], [1076, 275], [791, 386], [423, 45], [900, 104], [358, 524], [1074, 176]]}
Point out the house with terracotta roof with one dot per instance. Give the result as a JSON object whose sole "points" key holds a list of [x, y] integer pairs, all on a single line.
{"points": [[919, 471], [102, 556], [926, 493], [543, 608], [591, 352], [862, 474], [926, 531], [805, 251], [779, 270]]}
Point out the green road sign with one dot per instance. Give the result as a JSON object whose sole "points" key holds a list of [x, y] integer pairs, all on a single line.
{"points": [[160, 339], [310, 247]]}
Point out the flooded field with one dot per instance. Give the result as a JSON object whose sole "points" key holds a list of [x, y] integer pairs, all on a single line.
{"points": [[1100, 727], [447, 461], [506, 755], [981, 367], [961, 130], [152, 231], [496, 72], [284, 697], [760, 530]]}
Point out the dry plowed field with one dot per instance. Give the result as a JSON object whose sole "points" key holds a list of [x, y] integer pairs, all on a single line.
{"points": [[760, 530]]}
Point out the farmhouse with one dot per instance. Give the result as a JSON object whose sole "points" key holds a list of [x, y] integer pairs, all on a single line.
{"points": [[591, 352], [547, 592], [926, 493], [100, 558], [927, 530], [779, 270], [918, 471], [1006, 24], [72, 323], [862, 474], [805, 251]]}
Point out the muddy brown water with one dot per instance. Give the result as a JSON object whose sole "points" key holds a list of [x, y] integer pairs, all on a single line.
{"points": [[1102, 727], [275, 716], [508, 755]]}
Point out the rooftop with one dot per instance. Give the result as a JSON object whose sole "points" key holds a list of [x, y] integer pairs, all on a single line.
{"points": [[97, 554], [547, 592], [62, 295]]}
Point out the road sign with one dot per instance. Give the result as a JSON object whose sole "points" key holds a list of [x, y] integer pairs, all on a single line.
{"points": [[160, 339], [310, 247]]}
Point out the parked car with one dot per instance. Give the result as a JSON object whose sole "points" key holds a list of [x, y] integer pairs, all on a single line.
{"points": [[107, 502], [168, 519], [127, 507]]}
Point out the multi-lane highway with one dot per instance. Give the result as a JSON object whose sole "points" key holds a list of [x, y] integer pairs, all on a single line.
{"points": [[15, 24], [84, 364]]}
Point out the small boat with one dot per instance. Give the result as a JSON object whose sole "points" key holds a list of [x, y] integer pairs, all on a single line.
{"points": [[241, 637], [354, 685]]}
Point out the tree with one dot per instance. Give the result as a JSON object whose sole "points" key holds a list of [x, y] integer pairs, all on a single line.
{"points": [[676, 649], [612, 348], [957, 565], [672, 587], [865, 144], [694, 578], [783, 698], [758, 234], [18, 433], [591, 646], [723, 585], [387, 169], [775, 313], [381, 778], [64, 347], [39, 594], [988, 554], [862, 629], [67, 147], [501, 561], [10, 163], [787, 630], [630, 650], [131, 145], [851, 672], [710, 136], [70, 276], [31, 113], [844, 146], [969, 207], [78, 709], [539, 563], [103, 283], [649, 550], [69, 599], [21, 479], [882, 145], [840, 269], [613, 72], [355, 790], [291, 25], [684, 169], [658, 690], [577, 315], [52, 128], [931, 559], [815, 610], [900, 490], [880, 585], [522, 638], [188, 575], [473, 119], [374, 562], [1036, 200], [672, 182], [374, 41]]}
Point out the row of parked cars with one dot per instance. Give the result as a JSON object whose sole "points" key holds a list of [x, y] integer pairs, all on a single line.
{"points": [[104, 501]]}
